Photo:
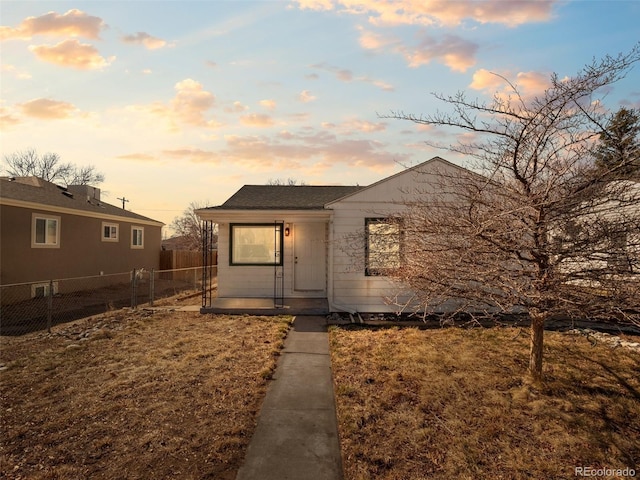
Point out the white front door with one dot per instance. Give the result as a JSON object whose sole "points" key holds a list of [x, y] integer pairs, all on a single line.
{"points": [[310, 247]]}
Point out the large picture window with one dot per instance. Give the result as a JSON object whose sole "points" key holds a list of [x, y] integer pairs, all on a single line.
{"points": [[382, 247], [256, 244]]}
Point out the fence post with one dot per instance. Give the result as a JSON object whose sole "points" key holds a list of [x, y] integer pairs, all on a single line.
{"points": [[151, 287], [50, 306], [133, 289]]}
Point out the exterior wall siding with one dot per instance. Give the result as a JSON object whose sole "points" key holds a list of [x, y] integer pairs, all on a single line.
{"points": [[351, 289], [81, 251], [257, 281], [348, 288], [244, 280]]}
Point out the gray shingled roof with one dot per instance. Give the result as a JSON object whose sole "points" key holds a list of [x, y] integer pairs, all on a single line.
{"points": [[285, 197], [32, 189]]}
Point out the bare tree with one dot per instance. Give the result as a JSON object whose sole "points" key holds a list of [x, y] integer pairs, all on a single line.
{"points": [[289, 181], [188, 226], [536, 227], [49, 167]]}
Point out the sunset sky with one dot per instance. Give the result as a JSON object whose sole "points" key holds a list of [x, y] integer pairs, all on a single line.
{"points": [[181, 101]]}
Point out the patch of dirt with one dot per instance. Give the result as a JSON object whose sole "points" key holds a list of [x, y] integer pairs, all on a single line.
{"points": [[135, 394]]}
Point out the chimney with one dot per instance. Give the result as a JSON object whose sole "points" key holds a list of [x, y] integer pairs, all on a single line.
{"points": [[92, 193]]}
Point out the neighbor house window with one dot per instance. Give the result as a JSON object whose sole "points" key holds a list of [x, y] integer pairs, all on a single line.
{"points": [[137, 237], [256, 244], [39, 290], [45, 231], [110, 232], [382, 246]]}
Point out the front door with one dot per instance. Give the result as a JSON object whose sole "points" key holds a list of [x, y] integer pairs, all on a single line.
{"points": [[310, 247]]}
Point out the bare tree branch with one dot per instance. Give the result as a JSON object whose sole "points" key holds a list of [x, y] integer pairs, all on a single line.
{"points": [[188, 226], [543, 230], [49, 167]]}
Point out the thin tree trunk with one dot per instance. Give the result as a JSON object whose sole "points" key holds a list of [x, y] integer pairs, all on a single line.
{"points": [[537, 339]]}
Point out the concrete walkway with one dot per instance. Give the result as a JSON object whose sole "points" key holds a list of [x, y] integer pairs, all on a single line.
{"points": [[297, 433]]}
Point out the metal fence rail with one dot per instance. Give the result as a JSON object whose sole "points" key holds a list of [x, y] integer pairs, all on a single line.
{"points": [[28, 307]]}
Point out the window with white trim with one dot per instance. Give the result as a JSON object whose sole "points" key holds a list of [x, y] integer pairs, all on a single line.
{"points": [[110, 232], [45, 231], [137, 237], [39, 290]]}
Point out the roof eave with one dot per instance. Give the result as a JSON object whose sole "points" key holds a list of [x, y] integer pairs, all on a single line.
{"points": [[267, 215], [79, 212]]}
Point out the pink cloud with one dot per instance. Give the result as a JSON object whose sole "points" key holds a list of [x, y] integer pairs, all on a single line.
{"points": [[347, 76], [456, 53], [262, 153], [237, 107], [354, 126], [12, 70], [186, 154], [189, 106], [315, 4], [375, 41], [191, 101], [529, 84], [268, 104], [451, 50], [438, 12], [7, 119], [71, 53], [533, 81], [73, 23], [306, 96], [299, 117], [257, 120], [148, 41], [195, 155], [47, 109]]}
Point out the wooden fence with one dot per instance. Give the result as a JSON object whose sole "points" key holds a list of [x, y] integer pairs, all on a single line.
{"points": [[173, 259], [176, 259]]}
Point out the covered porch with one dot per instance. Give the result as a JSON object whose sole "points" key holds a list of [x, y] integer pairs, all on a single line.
{"points": [[267, 306]]}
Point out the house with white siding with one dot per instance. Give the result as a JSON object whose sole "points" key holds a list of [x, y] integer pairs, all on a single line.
{"points": [[278, 244]]}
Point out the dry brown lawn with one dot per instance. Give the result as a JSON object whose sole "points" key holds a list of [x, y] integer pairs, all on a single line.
{"points": [[145, 395], [452, 404]]}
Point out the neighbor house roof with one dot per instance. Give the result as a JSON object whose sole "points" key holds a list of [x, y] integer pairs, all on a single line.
{"points": [[33, 190], [284, 197]]}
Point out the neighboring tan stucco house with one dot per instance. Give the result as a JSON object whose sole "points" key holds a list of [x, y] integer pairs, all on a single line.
{"points": [[315, 241], [51, 232]]}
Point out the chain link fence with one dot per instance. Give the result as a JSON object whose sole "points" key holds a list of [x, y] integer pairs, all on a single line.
{"points": [[28, 307]]}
